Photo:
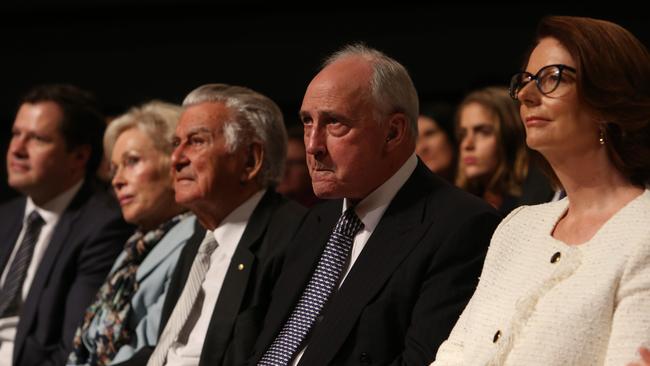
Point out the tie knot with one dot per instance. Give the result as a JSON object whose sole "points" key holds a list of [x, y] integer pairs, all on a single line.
{"points": [[349, 223], [34, 219], [209, 243]]}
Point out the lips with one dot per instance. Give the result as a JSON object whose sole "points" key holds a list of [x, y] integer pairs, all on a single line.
{"points": [[532, 121], [125, 199], [470, 160], [18, 167]]}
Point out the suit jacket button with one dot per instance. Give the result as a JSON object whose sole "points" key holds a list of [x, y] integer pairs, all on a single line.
{"points": [[496, 337], [365, 359], [556, 257]]}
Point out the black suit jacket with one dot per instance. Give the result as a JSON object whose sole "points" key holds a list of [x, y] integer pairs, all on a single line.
{"points": [[246, 290], [85, 242], [407, 288]]}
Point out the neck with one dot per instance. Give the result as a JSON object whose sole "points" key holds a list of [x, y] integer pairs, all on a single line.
{"points": [[212, 212], [43, 197], [174, 210], [591, 181]]}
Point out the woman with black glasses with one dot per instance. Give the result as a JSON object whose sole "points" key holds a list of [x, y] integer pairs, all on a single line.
{"points": [[568, 282]]}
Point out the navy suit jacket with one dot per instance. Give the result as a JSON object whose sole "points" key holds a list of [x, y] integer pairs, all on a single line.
{"points": [[406, 289], [85, 242]]}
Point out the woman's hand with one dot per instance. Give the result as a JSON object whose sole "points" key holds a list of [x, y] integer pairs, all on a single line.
{"points": [[645, 358]]}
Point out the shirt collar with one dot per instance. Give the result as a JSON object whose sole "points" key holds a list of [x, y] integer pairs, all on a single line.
{"points": [[53, 209], [235, 222], [372, 208]]}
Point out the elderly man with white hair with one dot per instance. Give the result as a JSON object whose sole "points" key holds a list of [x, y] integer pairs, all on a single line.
{"points": [[230, 146]]}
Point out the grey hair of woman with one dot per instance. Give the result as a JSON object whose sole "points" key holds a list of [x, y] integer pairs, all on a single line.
{"points": [[256, 118], [156, 119], [391, 86]]}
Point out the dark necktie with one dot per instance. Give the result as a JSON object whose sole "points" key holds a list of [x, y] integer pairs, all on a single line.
{"points": [[319, 289], [10, 294]]}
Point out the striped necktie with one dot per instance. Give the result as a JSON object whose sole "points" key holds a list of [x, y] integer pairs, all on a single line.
{"points": [[319, 289], [11, 292], [186, 301]]}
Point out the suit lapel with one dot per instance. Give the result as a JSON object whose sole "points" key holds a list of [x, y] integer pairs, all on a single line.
{"points": [[176, 237], [307, 247], [399, 231], [51, 256], [14, 222], [236, 281]]}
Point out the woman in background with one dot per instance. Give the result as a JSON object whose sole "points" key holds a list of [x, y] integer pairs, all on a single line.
{"points": [[493, 160], [126, 313], [436, 145], [568, 282]]}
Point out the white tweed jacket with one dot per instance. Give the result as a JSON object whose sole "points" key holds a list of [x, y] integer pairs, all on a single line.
{"points": [[542, 302]]}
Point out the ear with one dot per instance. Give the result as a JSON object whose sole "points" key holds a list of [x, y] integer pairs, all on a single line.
{"points": [[397, 131], [253, 162]]}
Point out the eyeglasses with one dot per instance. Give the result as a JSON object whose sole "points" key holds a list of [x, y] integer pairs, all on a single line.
{"points": [[547, 79]]}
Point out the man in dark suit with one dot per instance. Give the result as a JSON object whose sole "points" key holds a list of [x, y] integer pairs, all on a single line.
{"points": [[60, 240], [230, 151], [415, 259]]}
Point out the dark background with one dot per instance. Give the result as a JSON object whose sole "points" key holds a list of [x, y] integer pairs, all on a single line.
{"points": [[131, 52]]}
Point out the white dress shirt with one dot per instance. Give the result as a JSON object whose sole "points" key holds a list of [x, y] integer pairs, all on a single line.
{"points": [[50, 212], [370, 210], [187, 349]]}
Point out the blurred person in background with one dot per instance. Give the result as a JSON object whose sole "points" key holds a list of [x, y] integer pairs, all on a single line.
{"points": [[61, 238], [436, 144], [296, 182], [494, 162]]}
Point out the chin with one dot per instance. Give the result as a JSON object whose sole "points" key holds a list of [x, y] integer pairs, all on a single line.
{"points": [[474, 174], [326, 192]]}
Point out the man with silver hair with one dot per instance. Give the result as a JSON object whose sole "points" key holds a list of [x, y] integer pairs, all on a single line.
{"points": [[230, 146], [380, 273]]}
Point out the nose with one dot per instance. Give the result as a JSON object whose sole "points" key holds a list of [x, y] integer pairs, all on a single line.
{"points": [[18, 146], [118, 180], [179, 160], [315, 139], [467, 143], [529, 95], [420, 146]]}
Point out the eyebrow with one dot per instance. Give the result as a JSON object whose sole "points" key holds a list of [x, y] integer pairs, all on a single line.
{"points": [[200, 129], [327, 115]]}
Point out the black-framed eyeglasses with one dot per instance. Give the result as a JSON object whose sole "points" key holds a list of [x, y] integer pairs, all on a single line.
{"points": [[547, 79]]}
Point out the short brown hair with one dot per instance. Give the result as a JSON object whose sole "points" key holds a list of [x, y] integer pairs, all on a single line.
{"points": [[613, 80], [82, 123]]}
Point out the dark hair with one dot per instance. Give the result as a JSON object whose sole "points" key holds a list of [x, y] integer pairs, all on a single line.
{"points": [[296, 132], [613, 80], [512, 167], [443, 114], [82, 123]]}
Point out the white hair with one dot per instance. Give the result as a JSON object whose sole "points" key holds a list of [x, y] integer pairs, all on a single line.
{"points": [[256, 118], [156, 119], [391, 86]]}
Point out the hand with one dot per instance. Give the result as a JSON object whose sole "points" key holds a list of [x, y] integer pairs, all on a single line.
{"points": [[645, 358]]}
